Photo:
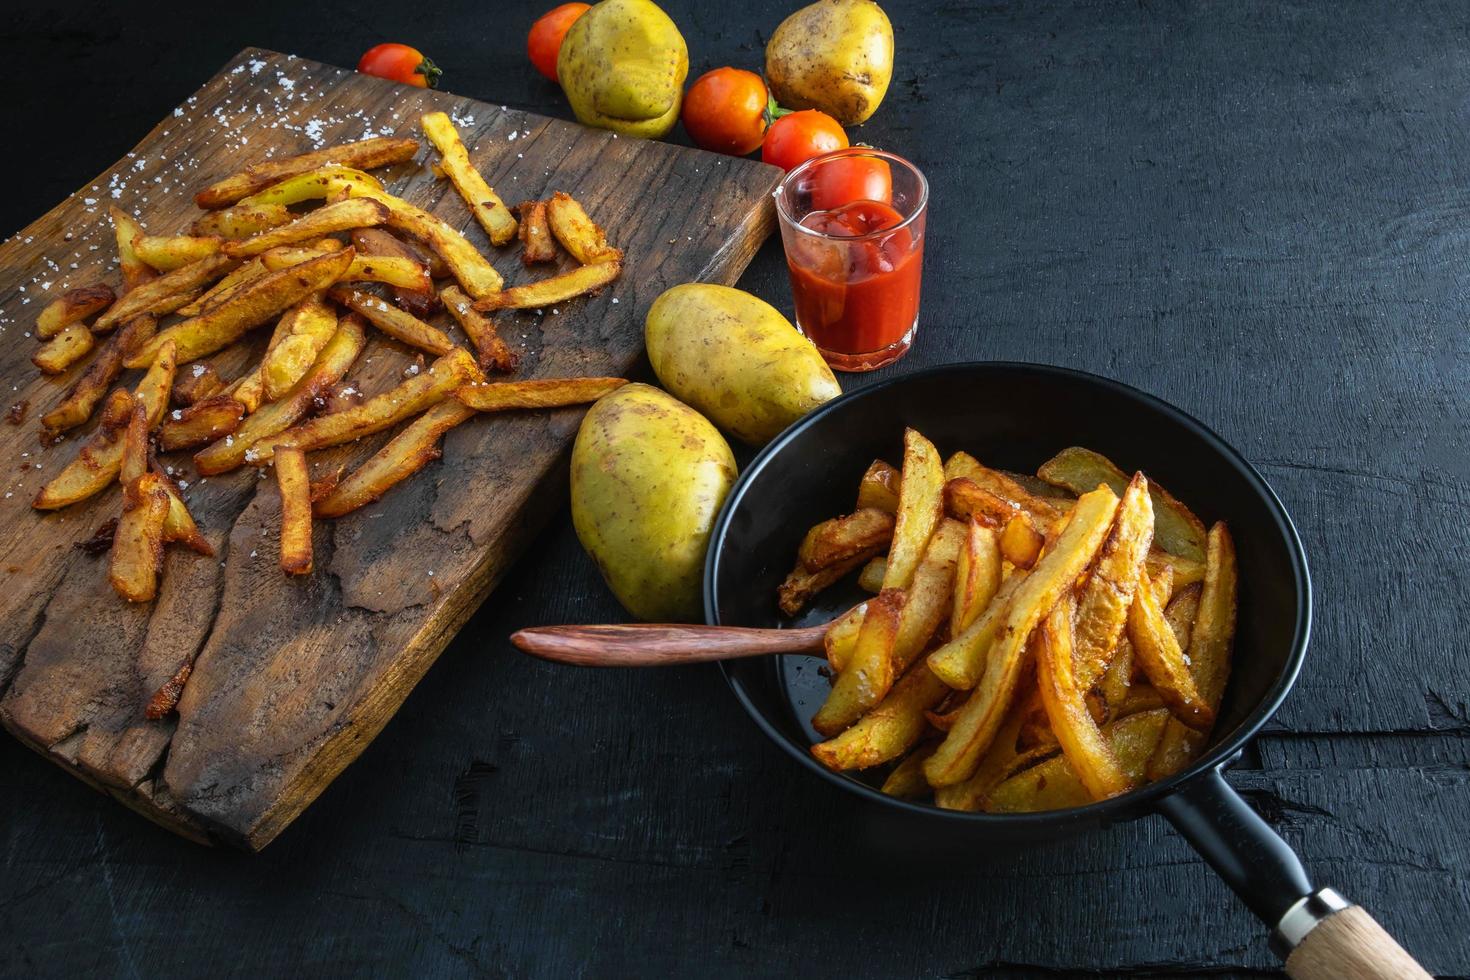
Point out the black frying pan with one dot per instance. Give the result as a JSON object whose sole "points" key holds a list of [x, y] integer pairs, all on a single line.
{"points": [[1015, 416]]}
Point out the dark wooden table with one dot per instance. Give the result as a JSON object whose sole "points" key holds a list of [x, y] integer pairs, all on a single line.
{"points": [[1256, 211]]}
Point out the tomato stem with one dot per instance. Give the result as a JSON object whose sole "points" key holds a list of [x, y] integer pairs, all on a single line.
{"points": [[430, 71], [773, 111]]}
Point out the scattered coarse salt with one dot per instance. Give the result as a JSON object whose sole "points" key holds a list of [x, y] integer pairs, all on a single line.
{"points": [[177, 415], [199, 370]]}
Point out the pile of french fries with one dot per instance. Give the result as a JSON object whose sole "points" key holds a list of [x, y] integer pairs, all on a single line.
{"points": [[1033, 643], [360, 259]]}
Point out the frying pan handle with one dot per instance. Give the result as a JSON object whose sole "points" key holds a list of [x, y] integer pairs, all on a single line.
{"points": [[1317, 932]]}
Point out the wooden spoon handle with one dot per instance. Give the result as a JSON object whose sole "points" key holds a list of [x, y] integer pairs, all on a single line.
{"points": [[1352, 946], [658, 644]]}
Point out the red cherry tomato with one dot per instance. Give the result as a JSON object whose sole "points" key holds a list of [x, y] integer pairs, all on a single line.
{"points": [[725, 111], [798, 136], [400, 63], [847, 179], [543, 44]]}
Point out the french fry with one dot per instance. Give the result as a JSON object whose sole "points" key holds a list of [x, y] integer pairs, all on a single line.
{"points": [[1021, 542], [842, 636], [295, 486], [155, 294], [1055, 785], [959, 754], [1116, 685], [930, 594], [256, 302], [879, 487], [365, 155], [313, 185], [332, 364], [1043, 511], [404, 455], [870, 579], [968, 501], [387, 409], [470, 268], [492, 351], [401, 326], [840, 538], [800, 585], [537, 245], [73, 306], [201, 381], [98, 462], [920, 508], [307, 327], [77, 406], [241, 221], [1102, 611], [556, 289], [342, 216], [977, 576], [489, 210], [888, 730], [200, 423], [135, 444], [137, 545], [1066, 707], [165, 253], [1209, 651], [403, 272], [1002, 760], [578, 233], [1187, 571], [870, 673], [545, 393], [73, 343], [961, 660], [135, 271], [179, 525], [1156, 650], [225, 288], [378, 242], [1176, 529], [906, 781]]}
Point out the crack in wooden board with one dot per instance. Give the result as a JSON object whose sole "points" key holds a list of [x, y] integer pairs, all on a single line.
{"points": [[294, 678]]}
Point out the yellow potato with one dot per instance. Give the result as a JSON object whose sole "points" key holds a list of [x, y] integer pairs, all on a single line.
{"points": [[836, 56], [622, 65]]}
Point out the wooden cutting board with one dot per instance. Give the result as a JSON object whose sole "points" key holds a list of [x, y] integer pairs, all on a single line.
{"points": [[294, 677]]}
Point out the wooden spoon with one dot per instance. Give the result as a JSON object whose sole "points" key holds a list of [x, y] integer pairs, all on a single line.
{"points": [[661, 644]]}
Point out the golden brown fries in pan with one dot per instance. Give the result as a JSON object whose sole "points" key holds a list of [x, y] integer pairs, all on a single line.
{"points": [[1025, 650]]}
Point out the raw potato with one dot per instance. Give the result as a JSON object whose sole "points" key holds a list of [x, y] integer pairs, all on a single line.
{"points": [[836, 56], [622, 65], [648, 477], [736, 360]]}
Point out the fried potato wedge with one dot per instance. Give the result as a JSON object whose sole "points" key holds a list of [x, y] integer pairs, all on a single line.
{"points": [[135, 271], [879, 487], [313, 185], [256, 302], [491, 350], [1066, 708], [960, 661], [1210, 643], [382, 411], [381, 243], [77, 406], [958, 755], [545, 393], [332, 364], [249, 388], [241, 221], [890, 729], [137, 544], [1187, 571], [1043, 510], [381, 151], [201, 381], [579, 234], [70, 345], [798, 587], [165, 253], [537, 245], [294, 484], [154, 295], [345, 215], [307, 327], [842, 636], [840, 538], [1021, 542], [489, 210], [401, 326], [930, 595], [1055, 785], [200, 423], [473, 271], [1156, 650], [906, 781], [870, 579], [135, 444], [1102, 610], [977, 576], [179, 526], [98, 462], [870, 672], [403, 456], [968, 501], [1002, 760], [920, 508], [225, 288], [557, 289], [1176, 529], [73, 306]]}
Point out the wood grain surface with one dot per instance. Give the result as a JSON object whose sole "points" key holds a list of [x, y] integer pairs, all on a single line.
{"points": [[293, 677], [1254, 210]]}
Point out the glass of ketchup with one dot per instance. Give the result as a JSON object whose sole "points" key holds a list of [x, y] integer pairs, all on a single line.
{"points": [[852, 222]]}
